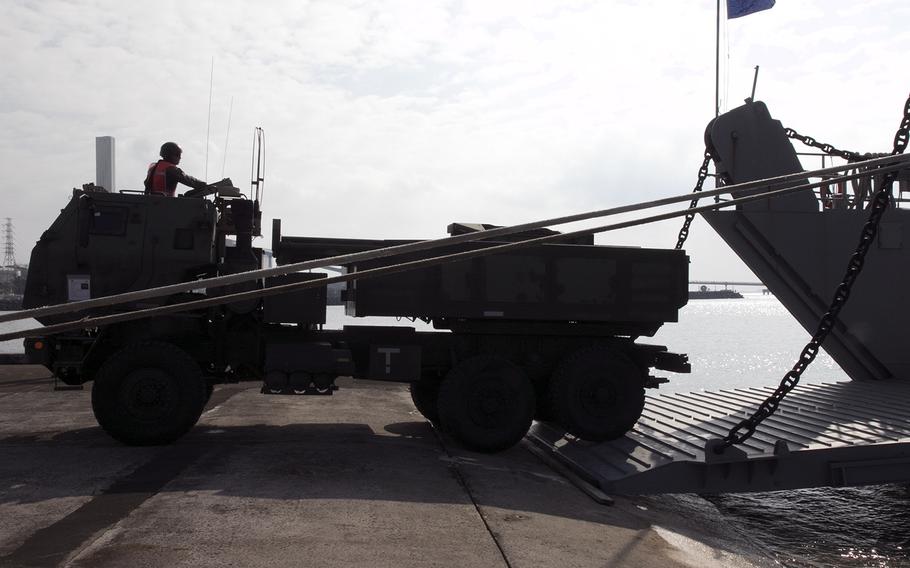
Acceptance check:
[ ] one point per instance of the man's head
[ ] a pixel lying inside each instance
(171, 152)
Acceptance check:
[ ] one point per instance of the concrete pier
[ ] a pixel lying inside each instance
(355, 479)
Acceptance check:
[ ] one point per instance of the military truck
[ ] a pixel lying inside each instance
(548, 332)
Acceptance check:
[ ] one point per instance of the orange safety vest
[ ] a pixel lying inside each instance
(158, 174)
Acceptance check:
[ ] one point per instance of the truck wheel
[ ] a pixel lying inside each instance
(425, 394)
(597, 394)
(148, 393)
(486, 403)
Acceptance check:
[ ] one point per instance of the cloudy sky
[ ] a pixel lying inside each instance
(392, 119)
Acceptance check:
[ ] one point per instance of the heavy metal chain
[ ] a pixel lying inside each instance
(702, 176)
(745, 428)
(826, 148)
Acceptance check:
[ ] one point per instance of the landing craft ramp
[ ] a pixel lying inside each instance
(799, 244)
(834, 434)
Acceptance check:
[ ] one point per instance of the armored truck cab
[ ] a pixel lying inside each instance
(548, 332)
(103, 244)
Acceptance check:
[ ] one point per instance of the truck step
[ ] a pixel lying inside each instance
(310, 391)
(298, 383)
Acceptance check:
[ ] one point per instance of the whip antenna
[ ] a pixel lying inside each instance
(208, 124)
(227, 136)
(257, 168)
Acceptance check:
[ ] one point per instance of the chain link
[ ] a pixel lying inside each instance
(826, 148)
(903, 133)
(702, 176)
(807, 140)
(746, 427)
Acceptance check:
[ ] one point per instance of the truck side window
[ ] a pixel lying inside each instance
(107, 220)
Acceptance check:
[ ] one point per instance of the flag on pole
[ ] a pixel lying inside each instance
(739, 8)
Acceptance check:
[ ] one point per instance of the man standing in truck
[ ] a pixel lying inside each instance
(164, 175)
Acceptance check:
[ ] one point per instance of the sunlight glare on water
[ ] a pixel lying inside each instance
(749, 342)
(849, 526)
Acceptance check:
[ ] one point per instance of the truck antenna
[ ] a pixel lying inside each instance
(227, 136)
(257, 168)
(208, 124)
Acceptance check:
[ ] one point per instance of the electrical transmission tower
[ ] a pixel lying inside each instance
(9, 247)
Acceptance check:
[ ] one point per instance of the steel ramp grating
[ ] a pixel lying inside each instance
(834, 434)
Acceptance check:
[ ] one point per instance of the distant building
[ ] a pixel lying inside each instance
(9, 274)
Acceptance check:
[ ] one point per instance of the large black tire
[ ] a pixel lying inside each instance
(486, 403)
(597, 394)
(148, 393)
(425, 395)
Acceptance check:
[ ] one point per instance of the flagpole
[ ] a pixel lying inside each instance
(717, 65)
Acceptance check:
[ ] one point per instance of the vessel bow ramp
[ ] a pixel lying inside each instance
(834, 434)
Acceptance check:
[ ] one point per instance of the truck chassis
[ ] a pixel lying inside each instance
(548, 334)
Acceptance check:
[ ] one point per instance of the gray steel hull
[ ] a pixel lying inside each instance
(800, 247)
(802, 257)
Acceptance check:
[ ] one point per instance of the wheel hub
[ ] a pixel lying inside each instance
(147, 394)
(597, 397)
(603, 395)
(489, 407)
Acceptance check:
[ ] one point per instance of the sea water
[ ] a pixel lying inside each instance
(736, 343)
(752, 342)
